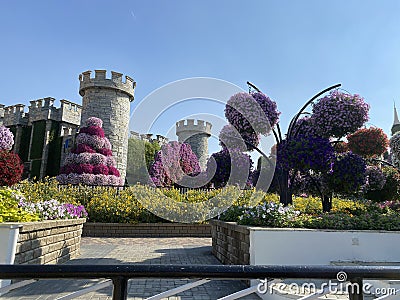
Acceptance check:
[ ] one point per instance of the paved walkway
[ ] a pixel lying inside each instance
(142, 251)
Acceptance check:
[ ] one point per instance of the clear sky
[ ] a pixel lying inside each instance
(289, 49)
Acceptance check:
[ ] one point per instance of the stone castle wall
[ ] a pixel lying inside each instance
(109, 100)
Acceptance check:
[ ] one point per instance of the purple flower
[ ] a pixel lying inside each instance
(339, 114)
(6, 138)
(93, 121)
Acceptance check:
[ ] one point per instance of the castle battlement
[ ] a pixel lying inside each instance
(193, 126)
(100, 80)
(14, 115)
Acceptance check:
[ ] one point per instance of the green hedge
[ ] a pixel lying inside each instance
(24, 143)
(39, 130)
(54, 154)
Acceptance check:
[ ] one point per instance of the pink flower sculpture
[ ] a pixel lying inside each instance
(91, 162)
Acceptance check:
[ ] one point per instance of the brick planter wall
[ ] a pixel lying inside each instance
(230, 242)
(146, 230)
(48, 242)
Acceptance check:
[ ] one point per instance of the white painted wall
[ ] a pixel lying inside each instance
(281, 246)
(8, 242)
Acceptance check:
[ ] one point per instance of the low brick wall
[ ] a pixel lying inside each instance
(146, 230)
(49, 242)
(230, 242)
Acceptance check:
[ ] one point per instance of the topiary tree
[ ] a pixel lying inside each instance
(10, 164)
(173, 163)
(91, 162)
(229, 166)
(140, 157)
(333, 116)
(368, 142)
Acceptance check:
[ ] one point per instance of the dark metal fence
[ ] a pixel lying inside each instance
(120, 274)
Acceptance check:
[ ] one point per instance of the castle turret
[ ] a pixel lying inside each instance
(109, 100)
(396, 122)
(196, 135)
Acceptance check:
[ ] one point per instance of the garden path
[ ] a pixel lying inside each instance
(141, 251)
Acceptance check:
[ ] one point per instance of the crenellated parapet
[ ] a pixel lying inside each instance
(100, 80)
(70, 112)
(15, 115)
(43, 109)
(193, 126)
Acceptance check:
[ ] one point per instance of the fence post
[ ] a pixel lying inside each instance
(120, 288)
(356, 289)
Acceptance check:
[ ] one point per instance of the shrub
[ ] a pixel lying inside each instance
(11, 168)
(391, 188)
(9, 209)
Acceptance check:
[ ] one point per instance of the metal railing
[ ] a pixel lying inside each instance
(120, 274)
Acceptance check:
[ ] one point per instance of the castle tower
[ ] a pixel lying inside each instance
(109, 100)
(396, 122)
(196, 135)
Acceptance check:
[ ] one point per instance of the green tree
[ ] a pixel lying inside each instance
(140, 157)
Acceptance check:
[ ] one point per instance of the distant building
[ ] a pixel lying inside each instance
(161, 140)
(396, 122)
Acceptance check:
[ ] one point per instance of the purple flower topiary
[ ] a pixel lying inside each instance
(172, 163)
(339, 114)
(91, 161)
(6, 138)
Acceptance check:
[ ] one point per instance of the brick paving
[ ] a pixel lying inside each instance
(184, 251)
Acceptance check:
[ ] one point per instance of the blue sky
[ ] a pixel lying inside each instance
(289, 49)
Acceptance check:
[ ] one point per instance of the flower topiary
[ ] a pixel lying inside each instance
(251, 114)
(6, 138)
(229, 166)
(348, 173)
(11, 168)
(305, 153)
(368, 142)
(172, 163)
(91, 161)
(339, 114)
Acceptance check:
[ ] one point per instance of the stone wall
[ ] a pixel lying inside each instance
(49, 242)
(230, 242)
(146, 230)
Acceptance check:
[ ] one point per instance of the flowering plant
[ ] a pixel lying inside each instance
(9, 209)
(348, 173)
(91, 162)
(375, 178)
(368, 142)
(11, 168)
(6, 138)
(229, 166)
(230, 138)
(339, 114)
(305, 153)
(172, 162)
(54, 210)
(269, 214)
(247, 114)
(93, 121)
(395, 148)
